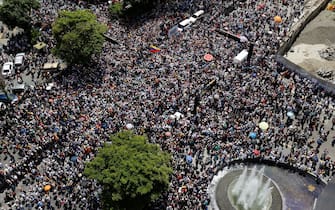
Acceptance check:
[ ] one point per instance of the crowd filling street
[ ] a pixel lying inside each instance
(171, 97)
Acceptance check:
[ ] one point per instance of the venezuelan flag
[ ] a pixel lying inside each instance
(154, 49)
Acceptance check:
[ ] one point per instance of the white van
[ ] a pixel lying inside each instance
(196, 15)
(184, 24)
(18, 61)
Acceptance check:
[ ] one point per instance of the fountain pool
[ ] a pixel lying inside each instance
(244, 189)
(251, 191)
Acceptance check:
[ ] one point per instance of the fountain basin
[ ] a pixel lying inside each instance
(222, 192)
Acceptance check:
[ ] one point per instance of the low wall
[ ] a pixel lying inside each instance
(300, 25)
(284, 165)
(288, 42)
(326, 85)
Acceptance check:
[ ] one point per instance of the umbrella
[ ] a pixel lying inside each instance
(256, 152)
(73, 158)
(263, 125)
(47, 188)
(290, 114)
(252, 135)
(40, 45)
(189, 158)
(178, 115)
(311, 188)
(208, 57)
(277, 19)
(261, 6)
(129, 126)
(172, 116)
(167, 134)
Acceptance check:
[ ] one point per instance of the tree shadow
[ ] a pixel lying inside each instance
(136, 16)
(17, 44)
(76, 77)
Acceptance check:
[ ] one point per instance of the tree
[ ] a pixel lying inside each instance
(3, 86)
(78, 36)
(17, 12)
(131, 171)
(2, 83)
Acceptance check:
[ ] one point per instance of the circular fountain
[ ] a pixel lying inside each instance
(244, 190)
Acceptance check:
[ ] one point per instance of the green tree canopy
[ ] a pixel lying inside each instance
(17, 12)
(78, 36)
(132, 171)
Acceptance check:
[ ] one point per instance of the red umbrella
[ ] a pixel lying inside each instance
(208, 57)
(261, 6)
(256, 152)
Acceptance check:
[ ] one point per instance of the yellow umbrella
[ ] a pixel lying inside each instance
(263, 125)
(47, 187)
(277, 19)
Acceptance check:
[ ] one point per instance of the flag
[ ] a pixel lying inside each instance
(154, 49)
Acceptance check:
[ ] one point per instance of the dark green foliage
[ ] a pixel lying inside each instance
(2, 83)
(78, 35)
(131, 171)
(34, 34)
(116, 9)
(16, 12)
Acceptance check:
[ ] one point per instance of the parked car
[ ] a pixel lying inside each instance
(19, 59)
(19, 88)
(9, 98)
(7, 69)
(196, 15)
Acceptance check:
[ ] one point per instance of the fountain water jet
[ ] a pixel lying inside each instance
(249, 192)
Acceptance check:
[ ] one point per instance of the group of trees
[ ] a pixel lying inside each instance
(131, 171)
(78, 34)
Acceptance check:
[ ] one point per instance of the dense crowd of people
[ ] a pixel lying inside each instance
(48, 137)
